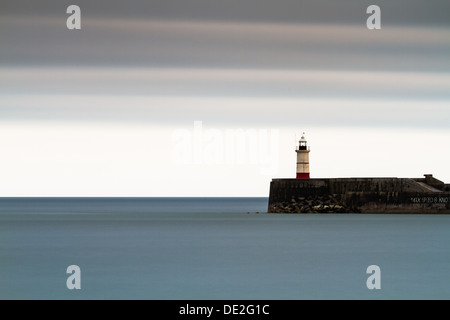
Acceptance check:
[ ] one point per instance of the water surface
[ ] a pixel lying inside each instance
(215, 248)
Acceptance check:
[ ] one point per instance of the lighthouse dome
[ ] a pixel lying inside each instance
(303, 137)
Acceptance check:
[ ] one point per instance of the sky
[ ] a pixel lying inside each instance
(208, 98)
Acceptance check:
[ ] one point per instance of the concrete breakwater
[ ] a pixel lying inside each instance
(359, 195)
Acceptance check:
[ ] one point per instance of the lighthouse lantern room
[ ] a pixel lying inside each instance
(302, 159)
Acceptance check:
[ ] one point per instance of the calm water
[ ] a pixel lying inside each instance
(215, 248)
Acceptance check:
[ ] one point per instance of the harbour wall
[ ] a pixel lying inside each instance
(359, 195)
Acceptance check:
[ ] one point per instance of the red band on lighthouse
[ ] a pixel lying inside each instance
(302, 176)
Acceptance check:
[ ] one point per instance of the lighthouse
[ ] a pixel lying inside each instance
(302, 159)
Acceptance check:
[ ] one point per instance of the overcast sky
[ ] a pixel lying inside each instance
(104, 110)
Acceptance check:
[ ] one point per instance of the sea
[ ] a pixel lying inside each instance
(215, 249)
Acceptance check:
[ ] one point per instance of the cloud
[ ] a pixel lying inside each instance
(399, 12)
(222, 44)
(226, 82)
(243, 111)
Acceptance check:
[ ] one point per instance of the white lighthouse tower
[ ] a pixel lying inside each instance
(302, 159)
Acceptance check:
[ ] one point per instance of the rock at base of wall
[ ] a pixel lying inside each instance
(316, 204)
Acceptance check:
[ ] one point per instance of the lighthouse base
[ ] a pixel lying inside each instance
(302, 176)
